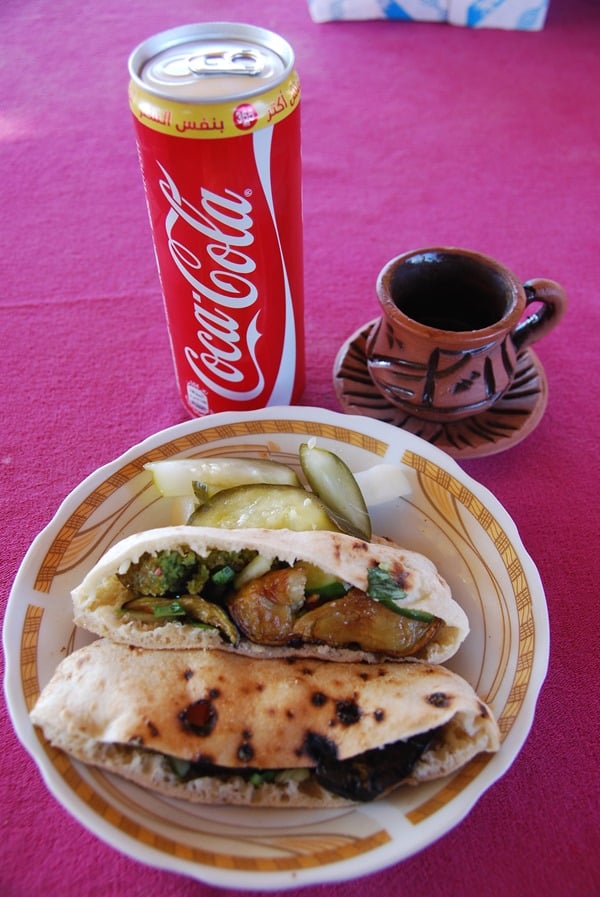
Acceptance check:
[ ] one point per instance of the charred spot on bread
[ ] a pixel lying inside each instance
(152, 728)
(245, 752)
(379, 715)
(401, 576)
(203, 760)
(188, 674)
(347, 712)
(439, 699)
(318, 699)
(200, 717)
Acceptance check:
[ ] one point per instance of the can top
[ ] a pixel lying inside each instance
(211, 62)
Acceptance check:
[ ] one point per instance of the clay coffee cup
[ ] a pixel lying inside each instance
(452, 328)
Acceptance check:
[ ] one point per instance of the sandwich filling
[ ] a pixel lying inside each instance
(266, 592)
(244, 594)
(362, 778)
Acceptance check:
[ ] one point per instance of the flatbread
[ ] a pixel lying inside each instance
(127, 709)
(100, 594)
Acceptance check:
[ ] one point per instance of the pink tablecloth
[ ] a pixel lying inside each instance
(414, 135)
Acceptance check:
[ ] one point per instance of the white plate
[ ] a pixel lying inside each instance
(447, 516)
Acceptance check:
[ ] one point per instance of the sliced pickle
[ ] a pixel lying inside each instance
(181, 476)
(266, 507)
(357, 621)
(210, 614)
(332, 480)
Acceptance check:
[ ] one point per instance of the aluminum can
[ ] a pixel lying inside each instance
(216, 110)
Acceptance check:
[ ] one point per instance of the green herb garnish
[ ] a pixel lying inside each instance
(382, 585)
(223, 576)
(260, 776)
(172, 609)
(384, 588)
(180, 767)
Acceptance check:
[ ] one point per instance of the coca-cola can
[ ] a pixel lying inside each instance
(217, 122)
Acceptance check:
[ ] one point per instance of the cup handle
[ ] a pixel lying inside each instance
(553, 304)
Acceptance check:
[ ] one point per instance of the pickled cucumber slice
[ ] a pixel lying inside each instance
(332, 480)
(181, 476)
(264, 506)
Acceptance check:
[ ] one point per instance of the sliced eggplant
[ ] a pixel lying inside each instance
(211, 615)
(264, 609)
(355, 620)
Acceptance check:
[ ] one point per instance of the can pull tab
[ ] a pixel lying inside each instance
(227, 62)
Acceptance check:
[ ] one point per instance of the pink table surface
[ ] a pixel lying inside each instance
(413, 135)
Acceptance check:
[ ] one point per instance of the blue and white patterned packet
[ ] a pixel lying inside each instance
(523, 15)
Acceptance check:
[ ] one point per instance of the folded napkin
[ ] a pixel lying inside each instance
(525, 15)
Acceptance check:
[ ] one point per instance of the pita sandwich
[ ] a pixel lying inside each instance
(272, 593)
(213, 727)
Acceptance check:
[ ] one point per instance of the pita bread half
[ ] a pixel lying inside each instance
(129, 710)
(99, 597)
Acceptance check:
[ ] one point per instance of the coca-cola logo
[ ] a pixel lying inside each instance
(206, 244)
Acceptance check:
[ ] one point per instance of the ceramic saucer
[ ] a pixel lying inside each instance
(511, 418)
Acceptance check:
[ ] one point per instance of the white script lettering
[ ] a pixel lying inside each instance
(221, 228)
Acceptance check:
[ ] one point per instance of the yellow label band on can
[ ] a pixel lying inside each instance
(201, 121)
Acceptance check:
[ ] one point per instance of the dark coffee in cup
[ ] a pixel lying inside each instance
(447, 291)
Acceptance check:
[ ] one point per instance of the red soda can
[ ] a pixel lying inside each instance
(217, 121)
